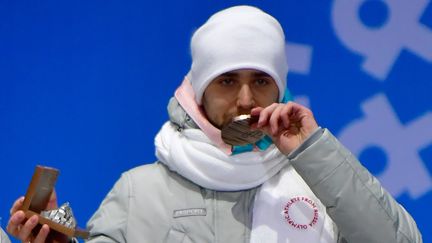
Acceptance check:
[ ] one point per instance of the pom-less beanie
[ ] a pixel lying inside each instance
(241, 37)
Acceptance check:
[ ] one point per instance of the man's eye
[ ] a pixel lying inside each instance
(261, 81)
(227, 81)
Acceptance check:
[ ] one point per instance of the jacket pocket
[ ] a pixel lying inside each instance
(176, 236)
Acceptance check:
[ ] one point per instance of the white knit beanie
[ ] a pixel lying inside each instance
(241, 37)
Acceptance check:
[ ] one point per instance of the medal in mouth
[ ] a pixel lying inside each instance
(239, 132)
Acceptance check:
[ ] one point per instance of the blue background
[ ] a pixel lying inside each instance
(84, 87)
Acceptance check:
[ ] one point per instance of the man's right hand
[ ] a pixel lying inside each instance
(21, 228)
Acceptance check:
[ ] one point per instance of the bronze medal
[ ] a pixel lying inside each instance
(238, 132)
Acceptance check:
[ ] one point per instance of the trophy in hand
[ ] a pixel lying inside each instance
(37, 198)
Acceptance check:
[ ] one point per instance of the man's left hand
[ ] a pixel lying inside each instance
(289, 125)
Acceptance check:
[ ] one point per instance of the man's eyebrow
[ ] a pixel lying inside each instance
(230, 74)
(260, 74)
(254, 74)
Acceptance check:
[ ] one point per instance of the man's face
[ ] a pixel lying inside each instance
(237, 92)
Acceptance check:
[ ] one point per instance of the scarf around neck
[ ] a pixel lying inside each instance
(191, 154)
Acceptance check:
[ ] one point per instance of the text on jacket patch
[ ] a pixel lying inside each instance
(301, 212)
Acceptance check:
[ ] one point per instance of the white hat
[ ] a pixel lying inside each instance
(241, 37)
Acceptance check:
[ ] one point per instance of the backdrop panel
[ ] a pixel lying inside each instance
(84, 87)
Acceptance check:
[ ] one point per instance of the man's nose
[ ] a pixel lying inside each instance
(245, 99)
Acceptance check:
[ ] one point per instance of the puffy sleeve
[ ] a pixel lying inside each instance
(360, 207)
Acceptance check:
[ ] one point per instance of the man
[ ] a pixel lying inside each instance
(302, 186)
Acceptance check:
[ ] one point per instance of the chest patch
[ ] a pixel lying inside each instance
(301, 212)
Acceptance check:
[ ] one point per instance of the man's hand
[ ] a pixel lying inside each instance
(22, 229)
(289, 125)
